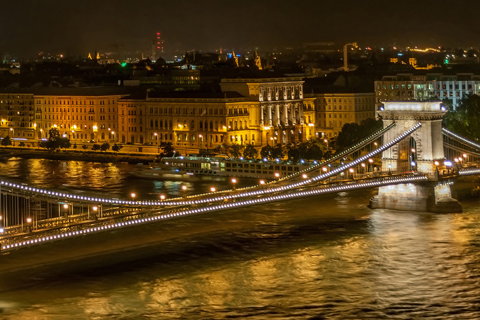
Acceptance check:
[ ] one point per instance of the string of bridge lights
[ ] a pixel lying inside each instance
(370, 138)
(469, 171)
(95, 200)
(348, 151)
(171, 215)
(299, 184)
(473, 144)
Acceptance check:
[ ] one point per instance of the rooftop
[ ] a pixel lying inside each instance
(193, 94)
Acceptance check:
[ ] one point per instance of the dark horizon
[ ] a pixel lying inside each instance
(78, 27)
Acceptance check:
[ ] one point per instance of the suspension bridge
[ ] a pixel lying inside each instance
(420, 160)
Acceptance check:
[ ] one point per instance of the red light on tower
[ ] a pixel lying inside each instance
(159, 42)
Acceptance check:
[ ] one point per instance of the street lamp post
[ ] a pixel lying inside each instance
(13, 135)
(234, 182)
(29, 225)
(184, 191)
(95, 209)
(65, 206)
(262, 183)
(370, 161)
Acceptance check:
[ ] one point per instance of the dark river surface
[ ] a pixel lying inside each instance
(324, 257)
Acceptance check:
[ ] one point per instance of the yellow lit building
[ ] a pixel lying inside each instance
(333, 110)
(189, 120)
(256, 111)
(17, 115)
(80, 118)
(247, 111)
(81, 115)
(277, 110)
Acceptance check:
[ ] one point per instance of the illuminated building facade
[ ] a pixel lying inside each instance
(189, 120)
(256, 111)
(80, 117)
(333, 110)
(405, 87)
(17, 115)
(278, 111)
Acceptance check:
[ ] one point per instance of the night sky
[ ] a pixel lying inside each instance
(79, 26)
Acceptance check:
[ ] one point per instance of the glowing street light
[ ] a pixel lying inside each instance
(304, 176)
(162, 197)
(65, 206)
(213, 189)
(262, 182)
(133, 195)
(29, 224)
(234, 181)
(94, 209)
(13, 135)
(184, 190)
(277, 175)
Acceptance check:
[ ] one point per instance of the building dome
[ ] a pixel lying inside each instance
(160, 61)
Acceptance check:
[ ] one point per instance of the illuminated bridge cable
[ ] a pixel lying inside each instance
(156, 203)
(459, 149)
(460, 138)
(374, 136)
(29, 240)
(467, 172)
(358, 146)
(314, 179)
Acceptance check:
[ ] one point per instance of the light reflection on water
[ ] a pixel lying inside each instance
(111, 179)
(327, 257)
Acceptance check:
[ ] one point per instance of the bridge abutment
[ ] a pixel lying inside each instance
(414, 197)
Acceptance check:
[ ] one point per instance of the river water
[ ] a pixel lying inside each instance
(326, 257)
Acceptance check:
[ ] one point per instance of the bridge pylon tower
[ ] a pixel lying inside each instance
(418, 153)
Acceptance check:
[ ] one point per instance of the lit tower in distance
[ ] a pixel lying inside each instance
(157, 45)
